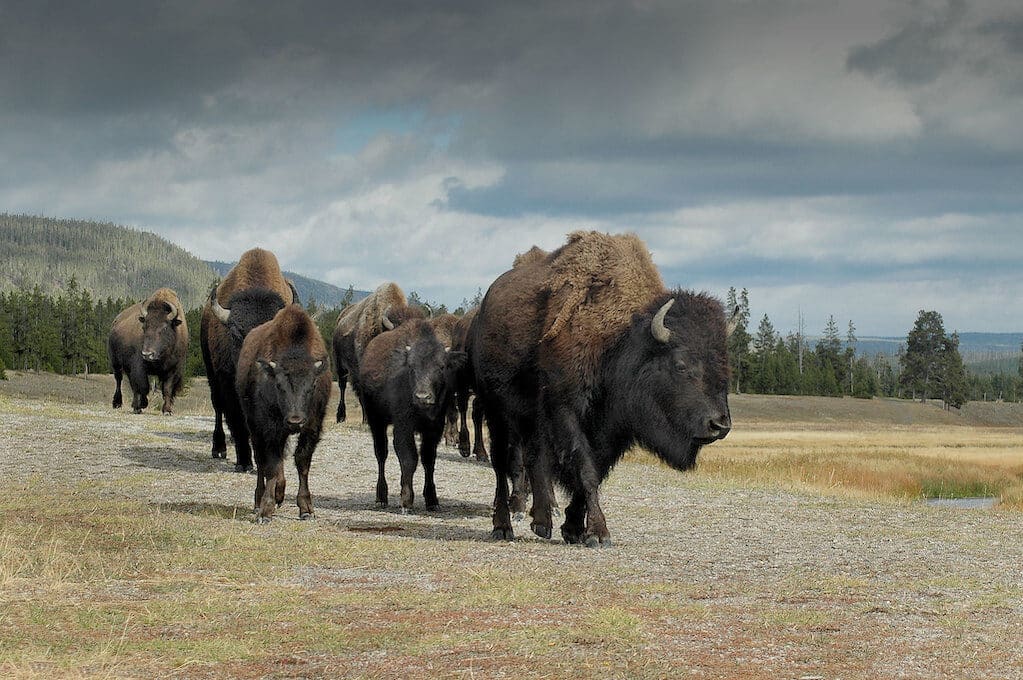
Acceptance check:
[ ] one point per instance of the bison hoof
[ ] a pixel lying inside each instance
(406, 511)
(220, 454)
(168, 413)
(463, 452)
(571, 536)
(116, 403)
(541, 530)
(433, 506)
(482, 457)
(242, 467)
(502, 535)
(595, 542)
(263, 520)
(306, 515)
(136, 411)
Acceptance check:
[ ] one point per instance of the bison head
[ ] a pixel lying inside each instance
(293, 375)
(247, 309)
(670, 383)
(430, 367)
(160, 320)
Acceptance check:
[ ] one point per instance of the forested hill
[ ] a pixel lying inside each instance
(106, 259)
(325, 294)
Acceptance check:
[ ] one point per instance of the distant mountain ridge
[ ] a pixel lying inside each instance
(115, 261)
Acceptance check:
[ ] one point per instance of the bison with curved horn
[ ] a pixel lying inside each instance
(150, 338)
(251, 294)
(582, 353)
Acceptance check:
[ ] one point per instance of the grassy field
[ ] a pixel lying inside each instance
(798, 549)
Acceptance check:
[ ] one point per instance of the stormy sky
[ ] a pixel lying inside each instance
(862, 159)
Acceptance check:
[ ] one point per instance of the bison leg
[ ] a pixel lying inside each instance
(171, 386)
(462, 406)
(240, 432)
(479, 449)
(342, 382)
(139, 381)
(118, 375)
(451, 426)
(379, 431)
(428, 453)
(408, 458)
(519, 483)
(274, 487)
(499, 460)
(543, 496)
(574, 528)
(219, 440)
(303, 460)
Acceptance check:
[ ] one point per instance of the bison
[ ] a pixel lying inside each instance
(283, 383)
(150, 338)
(580, 354)
(381, 310)
(251, 294)
(406, 378)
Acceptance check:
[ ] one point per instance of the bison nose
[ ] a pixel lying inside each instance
(720, 427)
(148, 354)
(295, 421)
(424, 397)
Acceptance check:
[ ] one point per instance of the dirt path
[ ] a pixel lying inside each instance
(778, 584)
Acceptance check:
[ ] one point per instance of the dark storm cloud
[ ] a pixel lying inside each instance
(776, 142)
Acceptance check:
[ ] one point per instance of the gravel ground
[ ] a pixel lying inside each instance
(868, 588)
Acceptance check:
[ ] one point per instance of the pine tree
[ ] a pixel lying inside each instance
(954, 386)
(739, 340)
(923, 361)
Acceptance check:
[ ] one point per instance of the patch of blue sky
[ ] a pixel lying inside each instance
(355, 133)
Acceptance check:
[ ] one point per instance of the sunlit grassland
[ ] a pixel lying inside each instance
(908, 462)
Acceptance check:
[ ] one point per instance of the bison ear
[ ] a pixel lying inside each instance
(142, 319)
(176, 321)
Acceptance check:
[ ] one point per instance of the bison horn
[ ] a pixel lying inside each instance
(657, 327)
(220, 312)
(294, 293)
(145, 310)
(387, 323)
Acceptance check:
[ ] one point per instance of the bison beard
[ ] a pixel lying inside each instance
(571, 367)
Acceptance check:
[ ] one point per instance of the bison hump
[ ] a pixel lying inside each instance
(595, 284)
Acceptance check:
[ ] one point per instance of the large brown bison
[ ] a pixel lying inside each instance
(251, 294)
(406, 377)
(582, 353)
(283, 382)
(149, 338)
(382, 310)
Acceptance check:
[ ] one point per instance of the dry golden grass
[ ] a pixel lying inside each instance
(867, 459)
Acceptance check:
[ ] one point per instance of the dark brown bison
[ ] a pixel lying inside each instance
(582, 353)
(251, 294)
(283, 383)
(150, 338)
(406, 377)
(382, 310)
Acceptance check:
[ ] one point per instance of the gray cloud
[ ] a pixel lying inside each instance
(785, 144)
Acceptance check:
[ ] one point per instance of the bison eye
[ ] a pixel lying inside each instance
(681, 366)
(142, 319)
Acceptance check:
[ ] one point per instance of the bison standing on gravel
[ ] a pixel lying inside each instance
(382, 310)
(251, 294)
(283, 382)
(582, 353)
(150, 338)
(406, 378)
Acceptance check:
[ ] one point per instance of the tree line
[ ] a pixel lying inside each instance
(67, 334)
(928, 366)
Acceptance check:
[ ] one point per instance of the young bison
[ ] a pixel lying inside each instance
(406, 376)
(283, 383)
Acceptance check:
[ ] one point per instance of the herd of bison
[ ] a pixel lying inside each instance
(573, 356)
